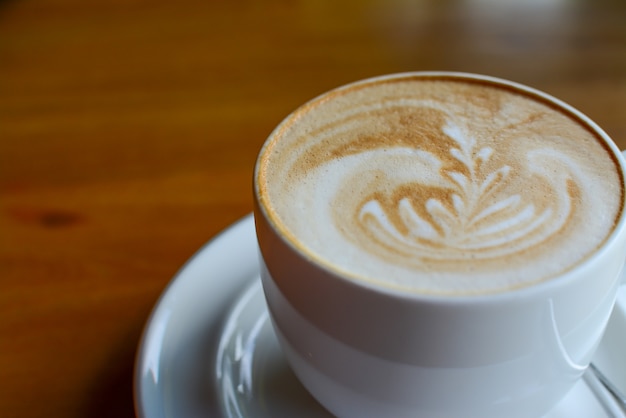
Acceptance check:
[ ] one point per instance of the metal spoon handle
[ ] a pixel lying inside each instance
(611, 398)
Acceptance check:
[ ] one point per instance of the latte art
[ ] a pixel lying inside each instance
(440, 185)
(467, 222)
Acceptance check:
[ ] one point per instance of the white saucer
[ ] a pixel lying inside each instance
(208, 349)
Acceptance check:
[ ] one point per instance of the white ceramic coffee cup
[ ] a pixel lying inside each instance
(367, 351)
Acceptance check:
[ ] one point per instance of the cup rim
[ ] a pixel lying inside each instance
(531, 288)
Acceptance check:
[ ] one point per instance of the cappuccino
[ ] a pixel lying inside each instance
(440, 184)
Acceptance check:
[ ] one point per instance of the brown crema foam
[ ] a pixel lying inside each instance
(443, 184)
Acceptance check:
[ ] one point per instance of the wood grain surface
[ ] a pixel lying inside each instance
(129, 131)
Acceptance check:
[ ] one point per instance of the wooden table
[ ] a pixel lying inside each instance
(129, 130)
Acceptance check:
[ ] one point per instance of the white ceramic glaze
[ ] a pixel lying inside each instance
(209, 350)
(367, 351)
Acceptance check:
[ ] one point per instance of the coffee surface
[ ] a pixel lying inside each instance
(440, 184)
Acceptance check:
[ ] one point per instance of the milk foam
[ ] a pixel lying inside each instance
(440, 185)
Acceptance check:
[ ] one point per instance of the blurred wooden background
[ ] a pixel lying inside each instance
(129, 130)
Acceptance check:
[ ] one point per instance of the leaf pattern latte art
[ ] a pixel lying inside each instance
(478, 219)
